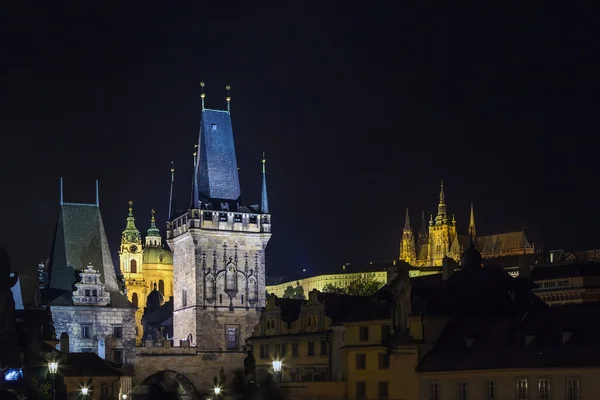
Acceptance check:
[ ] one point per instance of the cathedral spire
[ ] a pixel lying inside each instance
(406, 221)
(472, 231)
(407, 245)
(131, 234)
(424, 230)
(442, 216)
(172, 210)
(264, 203)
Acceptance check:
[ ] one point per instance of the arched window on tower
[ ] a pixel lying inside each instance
(134, 299)
(133, 266)
(161, 287)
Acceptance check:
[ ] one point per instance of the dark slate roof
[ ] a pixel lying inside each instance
(553, 337)
(576, 269)
(80, 240)
(56, 297)
(501, 242)
(217, 165)
(88, 364)
(160, 315)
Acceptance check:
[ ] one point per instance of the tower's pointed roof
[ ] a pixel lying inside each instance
(442, 215)
(130, 228)
(216, 170)
(264, 203)
(153, 230)
(172, 205)
(472, 224)
(407, 221)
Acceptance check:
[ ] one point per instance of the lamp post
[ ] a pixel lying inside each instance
(84, 392)
(277, 368)
(53, 368)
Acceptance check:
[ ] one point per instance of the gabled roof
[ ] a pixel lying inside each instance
(502, 242)
(80, 240)
(553, 337)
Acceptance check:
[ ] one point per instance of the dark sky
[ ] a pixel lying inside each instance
(361, 110)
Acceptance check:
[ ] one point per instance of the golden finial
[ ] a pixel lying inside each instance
(153, 212)
(172, 167)
(228, 98)
(263, 158)
(130, 207)
(202, 95)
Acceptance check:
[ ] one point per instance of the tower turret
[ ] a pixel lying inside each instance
(153, 238)
(442, 232)
(407, 246)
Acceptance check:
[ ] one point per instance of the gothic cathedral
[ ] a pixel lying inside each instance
(144, 267)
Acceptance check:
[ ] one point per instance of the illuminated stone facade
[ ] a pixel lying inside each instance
(144, 266)
(440, 238)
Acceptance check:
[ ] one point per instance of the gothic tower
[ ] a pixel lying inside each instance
(218, 249)
(442, 232)
(130, 259)
(408, 252)
(472, 231)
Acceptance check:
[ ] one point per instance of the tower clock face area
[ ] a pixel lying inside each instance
(133, 248)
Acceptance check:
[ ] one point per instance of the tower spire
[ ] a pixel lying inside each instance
(97, 195)
(195, 197)
(172, 194)
(264, 204)
(472, 231)
(424, 231)
(442, 216)
(228, 98)
(406, 220)
(202, 95)
(130, 228)
(407, 245)
(61, 191)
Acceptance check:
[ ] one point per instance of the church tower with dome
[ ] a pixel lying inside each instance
(144, 267)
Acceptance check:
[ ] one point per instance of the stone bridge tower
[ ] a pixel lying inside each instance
(218, 249)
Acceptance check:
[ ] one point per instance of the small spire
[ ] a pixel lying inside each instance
(228, 98)
(472, 231)
(202, 95)
(442, 195)
(442, 216)
(152, 220)
(172, 194)
(407, 221)
(61, 191)
(264, 204)
(97, 195)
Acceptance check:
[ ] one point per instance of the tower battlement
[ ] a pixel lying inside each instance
(219, 221)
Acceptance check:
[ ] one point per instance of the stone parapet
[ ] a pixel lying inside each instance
(219, 220)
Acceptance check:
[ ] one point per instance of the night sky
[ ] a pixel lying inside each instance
(361, 111)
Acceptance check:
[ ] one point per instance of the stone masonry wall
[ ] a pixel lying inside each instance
(184, 277)
(101, 321)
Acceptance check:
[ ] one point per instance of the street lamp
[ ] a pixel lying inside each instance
(217, 390)
(53, 368)
(84, 391)
(124, 397)
(277, 368)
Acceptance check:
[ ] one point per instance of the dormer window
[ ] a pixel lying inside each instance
(87, 292)
(94, 293)
(214, 127)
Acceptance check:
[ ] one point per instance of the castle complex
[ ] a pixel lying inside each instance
(439, 238)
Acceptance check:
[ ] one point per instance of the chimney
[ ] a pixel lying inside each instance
(64, 343)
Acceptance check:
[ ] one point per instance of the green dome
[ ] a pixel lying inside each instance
(157, 255)
(153, 230)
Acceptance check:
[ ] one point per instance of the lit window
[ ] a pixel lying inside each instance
(573, 389)
(522, 389)
(214, 127)
(232, 339)
(490, 390)
(544, 389)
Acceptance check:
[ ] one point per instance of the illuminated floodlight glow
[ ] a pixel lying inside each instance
(84, 391)
(277, 366)
(13, 374)
(217, 390)
(53, 367)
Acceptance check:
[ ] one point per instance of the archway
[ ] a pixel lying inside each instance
(165, 385)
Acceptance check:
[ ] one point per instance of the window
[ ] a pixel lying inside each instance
(361, 361)
(133, 266)
(85, 331)
(183, 297)
(104, 390)
(363, 333)
(242, 299)
(573, 389)
(361, 390)
(522, 389)
(87, 292)
(323, 347)
(383, 390)
(386, 331)
(95, 293)
(232, 338)
(136, 331)
(544, 389)
(384, 361)
(134, 300)
(283, 351)
(263, 351)
(434, 391)
(118, 356)
(462, 391)
(295, 351)
(214, 127)
(267, 350)
(221, 298)
(311, 348)
(161, 287)
(118, 332)
(490, 390)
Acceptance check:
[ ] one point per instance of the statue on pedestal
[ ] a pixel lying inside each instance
(401, 291)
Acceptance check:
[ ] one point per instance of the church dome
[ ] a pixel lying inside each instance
(157, 255)
(155, 299)
(471, 258)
